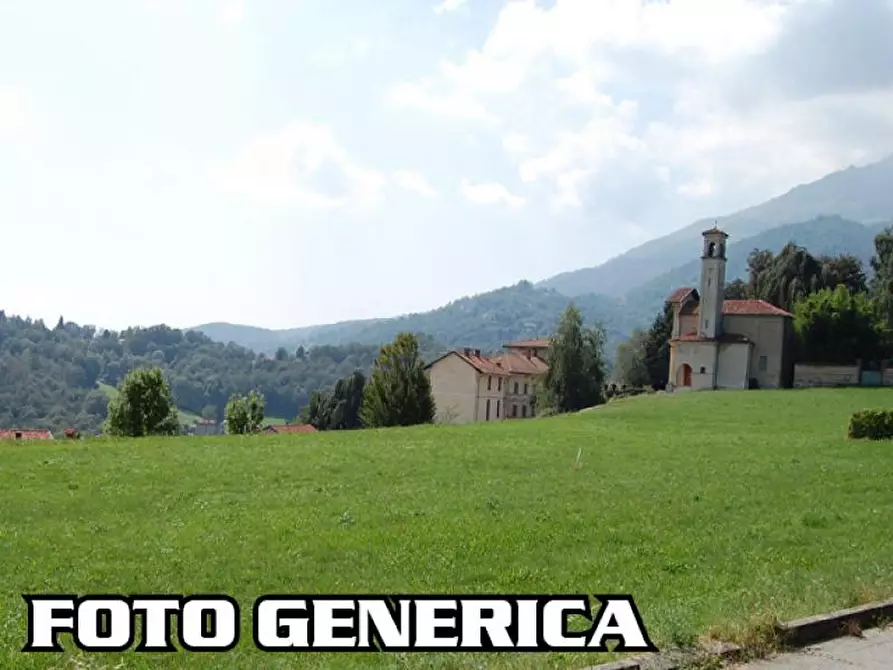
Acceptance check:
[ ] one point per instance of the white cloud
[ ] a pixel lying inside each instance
(449, 6)
(14, 112)
(414, 182)
(335, 56)
(301, 166)
(233, 12)
(490, 194)
(697, 100)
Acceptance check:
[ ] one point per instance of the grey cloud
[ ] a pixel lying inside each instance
(827, 47)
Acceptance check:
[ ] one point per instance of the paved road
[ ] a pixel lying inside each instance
(874, 651)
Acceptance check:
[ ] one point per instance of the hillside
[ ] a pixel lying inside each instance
(485, 321)
(861, 194)
(822, 236)
(63, 377)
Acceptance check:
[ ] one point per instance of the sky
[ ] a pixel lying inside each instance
(283, 163)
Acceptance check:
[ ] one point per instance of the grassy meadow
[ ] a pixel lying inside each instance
(712, 509)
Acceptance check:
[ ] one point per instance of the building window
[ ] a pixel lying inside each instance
(709, 281)
(499, 384)
(497, 409)
(763, 364)
(514, 410)
(533, 389)
(706, 323)
(525, 389)
(524, 410)
(488, 410)
(703, 370)
(516, 388)
(489, 383)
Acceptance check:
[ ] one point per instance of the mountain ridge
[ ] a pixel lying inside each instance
(820, 215)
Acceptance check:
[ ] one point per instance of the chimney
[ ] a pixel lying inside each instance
(477, 352)
(467, 351)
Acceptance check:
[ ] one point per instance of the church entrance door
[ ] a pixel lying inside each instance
(683, 376)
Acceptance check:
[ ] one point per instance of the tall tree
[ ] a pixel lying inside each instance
(657, 347)
(144, 406)
(340, 409)
(629, 362)
(843, 269)
(575, 378)
(882, 278)
(737, 290)
(836, 326)
(399, 391)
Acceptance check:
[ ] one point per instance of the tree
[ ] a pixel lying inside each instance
(844, 269)
(144, 406)
(737, 290)
(282, 354)
(836, 327)
(882, 280)
(630, 367)
(399, 391)
(347, 402)
(575, 378)
(245, 415)
(339, 410)
(657, 347)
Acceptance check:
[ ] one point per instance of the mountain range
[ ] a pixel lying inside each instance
(839, 213)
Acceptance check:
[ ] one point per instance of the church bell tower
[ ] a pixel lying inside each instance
(713, 283)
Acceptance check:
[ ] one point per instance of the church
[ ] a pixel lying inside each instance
(726, 344)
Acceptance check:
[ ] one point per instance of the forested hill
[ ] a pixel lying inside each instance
(486, 321)
(53, 377)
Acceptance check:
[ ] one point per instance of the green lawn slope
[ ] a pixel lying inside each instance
(712, 509)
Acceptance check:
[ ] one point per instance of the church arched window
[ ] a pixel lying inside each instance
(711, 248)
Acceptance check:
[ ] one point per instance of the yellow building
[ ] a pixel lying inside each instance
(726, 344)
(469, 387)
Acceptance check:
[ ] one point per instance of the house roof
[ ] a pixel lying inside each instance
(538, 343)
(26, 434)
(482, 364)
(289, 430)
(519, 364)
(725, 338)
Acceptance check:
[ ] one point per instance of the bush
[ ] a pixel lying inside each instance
(871, 424)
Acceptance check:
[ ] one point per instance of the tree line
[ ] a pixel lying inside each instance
(841, 311)
(397, 392)
(60, 377)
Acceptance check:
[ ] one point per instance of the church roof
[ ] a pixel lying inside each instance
(681, 294)
(730, 307)
(752, 308)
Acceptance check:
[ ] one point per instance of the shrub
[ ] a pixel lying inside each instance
(871, 424)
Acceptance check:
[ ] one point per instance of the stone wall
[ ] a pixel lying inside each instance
(808, 375)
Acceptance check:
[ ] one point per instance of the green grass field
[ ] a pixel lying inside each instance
(712, 509)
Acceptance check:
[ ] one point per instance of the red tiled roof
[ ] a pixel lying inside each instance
(725, 338)
(539, 343)
(25, 434)
(750, 308)
(681, 294)
(519, 364)
(297, 428)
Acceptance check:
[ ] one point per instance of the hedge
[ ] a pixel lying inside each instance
(872, 424)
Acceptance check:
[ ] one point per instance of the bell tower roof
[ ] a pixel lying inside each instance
(715, 232)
